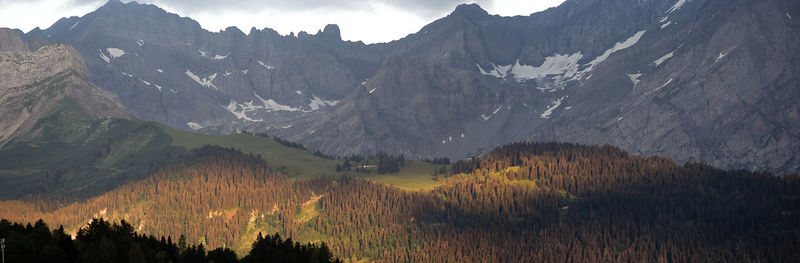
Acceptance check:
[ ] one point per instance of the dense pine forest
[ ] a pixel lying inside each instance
(525, 202)
(100, 241)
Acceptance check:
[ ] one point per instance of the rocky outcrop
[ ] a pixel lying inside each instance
(31, 83)
(10, 40)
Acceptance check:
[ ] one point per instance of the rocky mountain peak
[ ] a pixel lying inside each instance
(470, 11)
(10, 40)
(331, 32)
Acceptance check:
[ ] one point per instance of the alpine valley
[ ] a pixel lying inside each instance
(468, 141)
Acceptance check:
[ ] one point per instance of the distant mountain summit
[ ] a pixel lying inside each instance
(695, 80)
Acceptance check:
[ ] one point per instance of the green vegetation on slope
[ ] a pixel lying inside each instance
(413, 176)
(301, 163)
(291, 161)
(68, 154)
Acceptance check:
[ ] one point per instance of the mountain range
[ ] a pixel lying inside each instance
(695, 80)
(215, 138)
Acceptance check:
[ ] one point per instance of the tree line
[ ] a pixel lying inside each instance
(526, 202)
(101, 241)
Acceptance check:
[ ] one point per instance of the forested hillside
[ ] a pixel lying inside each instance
(100, 241)
(519, 203)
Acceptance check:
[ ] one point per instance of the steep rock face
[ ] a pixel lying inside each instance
(701, 80)
(31, 83)
(718, 84)
(167, 68)
(470, 81)
(695, 80)
(10, 40)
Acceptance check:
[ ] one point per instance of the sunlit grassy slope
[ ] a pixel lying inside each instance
(293, 162)
(300, 163)
(413, 176)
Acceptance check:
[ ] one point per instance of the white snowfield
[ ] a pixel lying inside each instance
(317, 103)
(73, 26)
(104, 57)
(219, 57)
(266, 66)
(486, 118)
(560, 67)
(240, 110)
(553, 106)
(664, 58)
(635, 78)
(205, 82)
(272, 105)
(194, 126)
(115, 52)
(665, 84)
(720, 57)
(677, 6)
(112, 54)
(563, 65)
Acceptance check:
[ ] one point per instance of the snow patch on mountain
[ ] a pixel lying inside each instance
(240, 110)
(486, 118)
(553, 106)
(317, 103)
(104, 57)
(272, 105)
(266, 66)
(194, 126)
(218, 57)
(560, 67)
(73, 26)
(158, 87)
(617, 47)
(564, 66)
(205, 82)
(677, 6)
(140, 42)
(666, 24)
(720, 57)
(496, 71)
(635, 78)
(115, 52)
(664, 58)
(665, 84)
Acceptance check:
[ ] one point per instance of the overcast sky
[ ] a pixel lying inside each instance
(366, 20)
